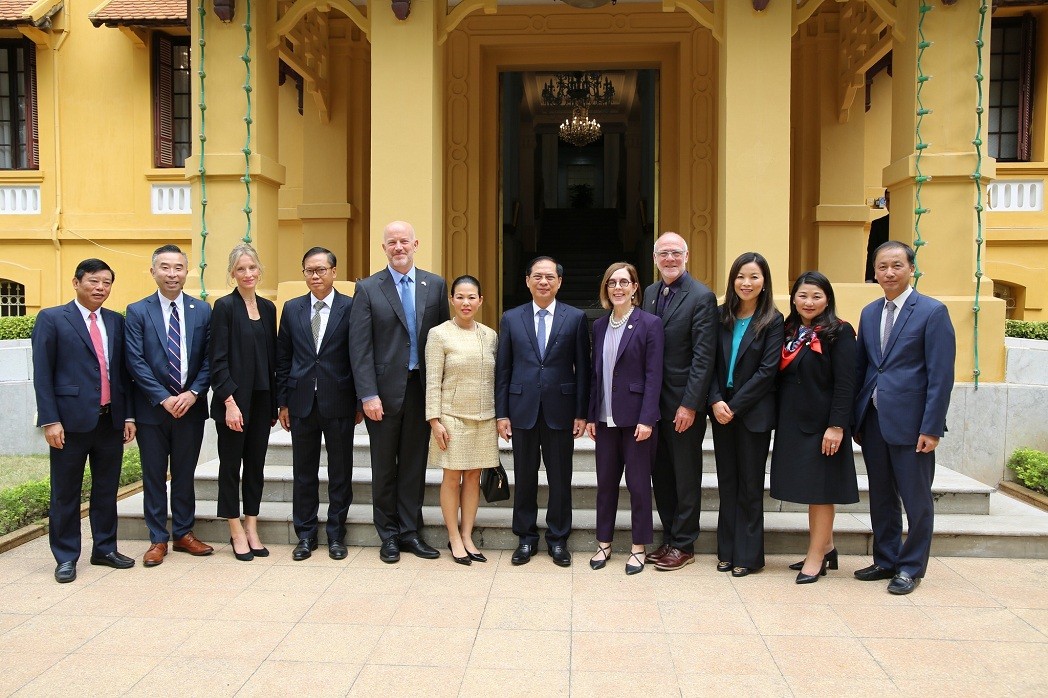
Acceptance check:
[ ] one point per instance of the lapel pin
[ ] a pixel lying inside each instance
(629, 327)
(423, 283)
(191, 306)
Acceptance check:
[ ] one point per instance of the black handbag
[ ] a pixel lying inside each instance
(494, 484)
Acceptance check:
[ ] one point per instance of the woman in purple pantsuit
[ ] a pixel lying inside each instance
(624, 409)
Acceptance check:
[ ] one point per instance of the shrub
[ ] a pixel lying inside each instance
(17, 327)
(1031, 468)
(1026, 330)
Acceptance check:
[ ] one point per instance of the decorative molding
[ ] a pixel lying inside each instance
(461, 11)
(803, 13)
(711, 19)
(295, 11)
(303, 45)
(1015, 195)
(887, 11)
(170, 198)
(139, 38)
(19, 200)
(864, 39)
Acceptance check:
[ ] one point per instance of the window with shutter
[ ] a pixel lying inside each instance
(172, 120)
(1011, 88)
(19, 134)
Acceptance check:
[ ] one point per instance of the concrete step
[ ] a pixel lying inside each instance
(954, 493)
(1010, 529)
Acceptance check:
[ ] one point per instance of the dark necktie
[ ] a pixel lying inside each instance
(174, 352)
(664, 300)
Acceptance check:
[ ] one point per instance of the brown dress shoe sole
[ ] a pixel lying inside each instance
(667, 568)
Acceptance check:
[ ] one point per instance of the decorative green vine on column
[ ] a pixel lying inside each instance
(922, 111)
(246, 179)
(977, 179)
(203, 139)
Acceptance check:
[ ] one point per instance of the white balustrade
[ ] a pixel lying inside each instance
(170, 198)
(1015, 195)
(19, 200)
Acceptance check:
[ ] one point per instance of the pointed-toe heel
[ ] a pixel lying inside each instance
(243, 557)
(464, 560)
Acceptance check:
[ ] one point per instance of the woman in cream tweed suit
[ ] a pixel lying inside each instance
(460, 407)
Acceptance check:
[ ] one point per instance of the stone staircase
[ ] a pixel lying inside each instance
(972, 519)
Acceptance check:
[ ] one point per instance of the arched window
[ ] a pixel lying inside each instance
(12, 298)
(1012, 297)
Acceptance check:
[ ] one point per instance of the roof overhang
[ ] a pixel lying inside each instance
(33, 13)
(140, 13)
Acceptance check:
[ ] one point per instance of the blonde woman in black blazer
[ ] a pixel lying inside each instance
(742, 405)
(244, 402)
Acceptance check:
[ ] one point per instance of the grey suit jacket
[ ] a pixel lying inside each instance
(690, 324)
(378, 340)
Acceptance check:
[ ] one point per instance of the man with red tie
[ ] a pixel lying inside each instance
(83, 405)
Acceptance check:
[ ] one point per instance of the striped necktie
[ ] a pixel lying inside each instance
(174, 352)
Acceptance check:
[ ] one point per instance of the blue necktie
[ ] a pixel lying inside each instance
(407, 299)
(174, 352)
(542, 333)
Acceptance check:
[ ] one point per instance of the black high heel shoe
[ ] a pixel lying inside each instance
(243, 557)
(476, 557)
(811, 578)
(598, 563)
(830, 559)
(464, 560)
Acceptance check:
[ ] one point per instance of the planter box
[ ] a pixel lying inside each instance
(1024, 494)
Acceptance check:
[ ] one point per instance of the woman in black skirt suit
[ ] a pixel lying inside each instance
(813, 462)
(742, 404)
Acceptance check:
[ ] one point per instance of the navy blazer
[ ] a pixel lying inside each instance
(558, 382)
(304, 373)
(827, 384)
(637, 378)
(914, 376)
(65, 370)
(146, 337)
(756, 368)
(233, 360)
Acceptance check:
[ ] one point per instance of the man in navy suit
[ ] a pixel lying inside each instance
(316, 397)
(905, 365)
(542, 375)
(81, 387)
(167, 348)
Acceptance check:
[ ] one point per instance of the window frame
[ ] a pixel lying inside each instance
(163, 72)
(1027, 26)
(31, 147)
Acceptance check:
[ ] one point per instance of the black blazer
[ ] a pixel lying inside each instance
(304, 373)
(756, 368)
(826, 383)
(233, 354)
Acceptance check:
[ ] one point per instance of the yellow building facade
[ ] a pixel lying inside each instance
(768, 125)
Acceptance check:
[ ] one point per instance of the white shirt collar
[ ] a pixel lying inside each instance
(165, 302)
(397, 276)
(535, 308)
(900, 301)
(87, 313)
(326, 300)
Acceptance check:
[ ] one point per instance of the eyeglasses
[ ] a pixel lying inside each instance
(319, 271)
(670, 254)
(619, 283)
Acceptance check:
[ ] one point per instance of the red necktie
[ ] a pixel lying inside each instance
(100, 352)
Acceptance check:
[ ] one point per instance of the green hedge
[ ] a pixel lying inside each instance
(1025, 330)
(1031, 468)
(23, 504)
(17, 327)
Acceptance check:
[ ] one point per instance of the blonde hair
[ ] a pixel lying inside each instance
(605, 300)
(241, 250)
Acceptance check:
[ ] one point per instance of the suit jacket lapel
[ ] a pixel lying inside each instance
(675, 301)
(156, 315)
(304, 318)
(903, 314)
(421, 295)
(189, 312)
(528, 320)
(335, 316)
(555, 326)
(392, 294)
(627, 334)
(747, 340)
(111, 331)
(77, 321)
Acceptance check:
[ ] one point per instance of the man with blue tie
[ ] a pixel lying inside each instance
(84, 407)
(167, 348)
(905, 366)
(542, 374)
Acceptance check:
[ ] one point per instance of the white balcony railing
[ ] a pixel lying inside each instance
(19, 200)
(170, 197)
(1016, 195)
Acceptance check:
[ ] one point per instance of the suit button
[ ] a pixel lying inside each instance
(614, 389)
(880, 370)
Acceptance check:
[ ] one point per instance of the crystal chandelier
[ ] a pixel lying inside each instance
(580, 129)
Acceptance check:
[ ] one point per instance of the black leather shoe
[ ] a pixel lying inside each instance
(65, 572)
(902, 583)
(476, 557)
(829, 558)
(337, 550)
(522, 555)
(561, 556)
(390, 551)
(114, 560)
(419, 548)
(304, 549)
(464, 560)
(873, 573)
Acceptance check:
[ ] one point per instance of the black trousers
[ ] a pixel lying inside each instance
(676, 481)
(247, 447)
(554, 448)
(104, 449)
(399, 452)
(305, 461)
(174, 444)
(741, 457)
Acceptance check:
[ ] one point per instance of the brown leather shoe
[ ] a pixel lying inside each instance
(155, 555)
(674, 560)
(656, 554)
(192, 545)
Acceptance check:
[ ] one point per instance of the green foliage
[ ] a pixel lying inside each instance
(23, 504)
(17, 327)
(1025, 330)
(1031, 468)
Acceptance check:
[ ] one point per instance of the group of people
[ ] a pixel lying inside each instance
(433, 385)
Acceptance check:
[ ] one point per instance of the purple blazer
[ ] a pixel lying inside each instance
(637, 378)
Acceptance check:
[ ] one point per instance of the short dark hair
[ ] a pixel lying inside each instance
(827, 321)
(91, 266)
(165, 249)
(911, 256)
(320, 250)
(544, 258)
(466, 279)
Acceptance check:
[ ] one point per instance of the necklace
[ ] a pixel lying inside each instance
(616, 324)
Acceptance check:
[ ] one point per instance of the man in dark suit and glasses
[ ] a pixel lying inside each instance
(316, 397)
(542, 374)
(167, 336)
(904, 364)
(689, 317)
(393, 311)
(83, 406)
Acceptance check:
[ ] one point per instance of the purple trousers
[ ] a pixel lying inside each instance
(617, 449)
